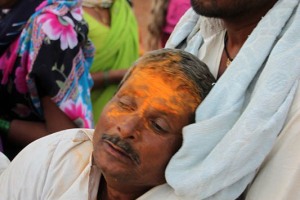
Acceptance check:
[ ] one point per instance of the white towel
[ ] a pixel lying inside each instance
(4, 162)
(238, 122)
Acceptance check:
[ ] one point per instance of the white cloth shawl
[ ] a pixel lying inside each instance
(4, 162)
(238, 122)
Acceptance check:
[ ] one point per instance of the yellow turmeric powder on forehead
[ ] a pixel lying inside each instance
(170, 69)
(145, 91)
(192, 75)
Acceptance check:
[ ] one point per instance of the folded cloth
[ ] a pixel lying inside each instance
(239, 121)
(4, 162)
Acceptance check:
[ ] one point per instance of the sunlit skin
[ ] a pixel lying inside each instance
(150, 118)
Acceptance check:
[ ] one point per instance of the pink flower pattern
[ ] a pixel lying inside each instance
(77, 13)
(20, 80)
(59, 27)
(8, 61)
(77, 112)
(28, 71)
(21, 73)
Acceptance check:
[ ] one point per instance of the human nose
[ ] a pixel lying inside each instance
(129, 127)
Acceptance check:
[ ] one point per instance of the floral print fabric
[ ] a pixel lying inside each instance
(52, 58)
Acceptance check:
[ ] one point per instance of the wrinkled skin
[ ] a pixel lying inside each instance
(139, 130)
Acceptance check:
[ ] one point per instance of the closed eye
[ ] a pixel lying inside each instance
(159, 126)
(126, 103)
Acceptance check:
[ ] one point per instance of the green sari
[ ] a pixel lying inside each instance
(117, 47)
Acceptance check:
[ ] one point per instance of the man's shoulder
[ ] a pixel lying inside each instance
(51, 160)
(70, 139)
(60, 143)
(75, 134)
(62, 147)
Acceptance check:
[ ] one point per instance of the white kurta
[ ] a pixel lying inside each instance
(57, 166)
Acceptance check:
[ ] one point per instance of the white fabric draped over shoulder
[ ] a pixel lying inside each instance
(4, 162)
(239, 121)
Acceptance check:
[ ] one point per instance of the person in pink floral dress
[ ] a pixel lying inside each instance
(45, 58)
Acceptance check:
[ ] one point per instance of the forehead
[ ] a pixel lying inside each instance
(159, 89)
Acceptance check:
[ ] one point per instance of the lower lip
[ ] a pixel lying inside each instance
(116, 154)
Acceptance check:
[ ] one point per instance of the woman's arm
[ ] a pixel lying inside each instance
(24, 132)
(102, 79)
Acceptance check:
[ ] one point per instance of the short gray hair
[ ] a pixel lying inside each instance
(178, 61)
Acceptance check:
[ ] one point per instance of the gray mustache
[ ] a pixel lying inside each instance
(124, 145)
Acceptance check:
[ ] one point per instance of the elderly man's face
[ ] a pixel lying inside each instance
(140, 129)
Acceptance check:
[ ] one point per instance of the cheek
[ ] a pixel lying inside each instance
(104, 123)
(155, 158)
(159, 149)
(108, 116)
(173, 145)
